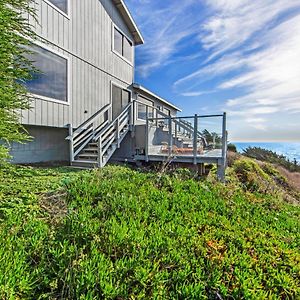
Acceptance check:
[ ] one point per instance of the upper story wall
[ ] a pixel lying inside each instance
(85, 38)
(85, 32)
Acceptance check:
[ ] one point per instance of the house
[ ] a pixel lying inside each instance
(86, 107)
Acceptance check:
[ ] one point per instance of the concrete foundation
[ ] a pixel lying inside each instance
(48, 146)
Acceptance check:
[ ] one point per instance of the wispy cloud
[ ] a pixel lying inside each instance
(244, 52)
(165, 26)
(273, 74)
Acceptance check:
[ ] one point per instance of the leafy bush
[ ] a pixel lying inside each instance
(132, 235)
(232, 148)
(272, 157)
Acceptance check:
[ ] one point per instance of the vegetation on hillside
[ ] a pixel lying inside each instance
(14, 67)
(271, 157)
(118, 233)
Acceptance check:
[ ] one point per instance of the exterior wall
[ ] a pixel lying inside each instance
(139, 95)
(48, 145)
(85, 37)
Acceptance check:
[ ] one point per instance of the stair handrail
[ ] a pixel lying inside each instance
(111, 133)
(89, 120)
(190, 126)
(112, 123)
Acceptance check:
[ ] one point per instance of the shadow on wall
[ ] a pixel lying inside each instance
(49, 145)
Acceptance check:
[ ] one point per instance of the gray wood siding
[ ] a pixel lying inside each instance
(86, 39)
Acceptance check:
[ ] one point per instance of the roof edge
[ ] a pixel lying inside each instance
(124, 11)
(143, 89)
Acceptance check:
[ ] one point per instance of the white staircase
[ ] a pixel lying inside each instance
(94, 142)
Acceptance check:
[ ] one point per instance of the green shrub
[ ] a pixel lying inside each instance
(232, 147)
(132, 235)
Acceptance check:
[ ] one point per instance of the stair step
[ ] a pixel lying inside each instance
(90, 150)
(90, 155)
(84, 164)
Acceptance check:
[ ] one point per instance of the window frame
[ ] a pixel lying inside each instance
(124, 35)
(67, 15)
(49, 99)
(147, 99)
(113, 83)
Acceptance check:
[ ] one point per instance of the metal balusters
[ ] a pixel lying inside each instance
(195, 139)
(170, 136)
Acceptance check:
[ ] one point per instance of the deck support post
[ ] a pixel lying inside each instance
(147, 140)
(71, 143)
(195, 138)
(221, 170)
(118, 132)
(133, 118)
(100, 160)
(170, 136)
(223, 162)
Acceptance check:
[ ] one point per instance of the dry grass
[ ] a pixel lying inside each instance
(55, 205)
(292, 177)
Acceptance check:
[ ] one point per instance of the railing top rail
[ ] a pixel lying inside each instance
(188, 117)
(91, 119)
(125, 110)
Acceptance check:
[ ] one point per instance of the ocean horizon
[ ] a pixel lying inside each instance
(290, 150)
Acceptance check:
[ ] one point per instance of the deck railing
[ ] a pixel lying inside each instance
(191, 136)
(86, 132)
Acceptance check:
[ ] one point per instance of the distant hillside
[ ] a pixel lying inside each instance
(272, 157)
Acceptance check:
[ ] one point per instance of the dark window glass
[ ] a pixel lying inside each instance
(142, 109)
(61, 4)
(122, 45)
(127, 50)
(125, 98)
(52, 79)
(167, 111)
(118, 41)
(120, 99)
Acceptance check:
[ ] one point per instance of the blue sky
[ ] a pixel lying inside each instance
(238, 56)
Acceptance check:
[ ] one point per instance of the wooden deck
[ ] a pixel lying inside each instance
(209, 156)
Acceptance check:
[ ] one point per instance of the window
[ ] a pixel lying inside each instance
(142, 109)
(167, 111)
(120, 99)
(122, 45)
(127, 49)
(52, 79)
(118, 41)
(60, 4)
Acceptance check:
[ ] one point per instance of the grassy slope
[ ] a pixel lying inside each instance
(124, 234)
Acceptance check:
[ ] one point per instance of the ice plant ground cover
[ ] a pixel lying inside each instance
(119, 233)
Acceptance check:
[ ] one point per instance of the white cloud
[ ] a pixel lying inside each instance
(234, 22)
(195, 93)
(246, 48)
(164, 29)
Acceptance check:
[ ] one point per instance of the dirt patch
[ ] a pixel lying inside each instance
(232, 157)
(292, 177)
(55, 205)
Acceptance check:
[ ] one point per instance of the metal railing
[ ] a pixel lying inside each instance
(112, 135)
(196, 142)
(85, 133)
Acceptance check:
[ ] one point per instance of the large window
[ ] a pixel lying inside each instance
(122, 45)
(52, 79)
(61, 4)
(142, 108)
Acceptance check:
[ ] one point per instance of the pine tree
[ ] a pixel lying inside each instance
(15, 33)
